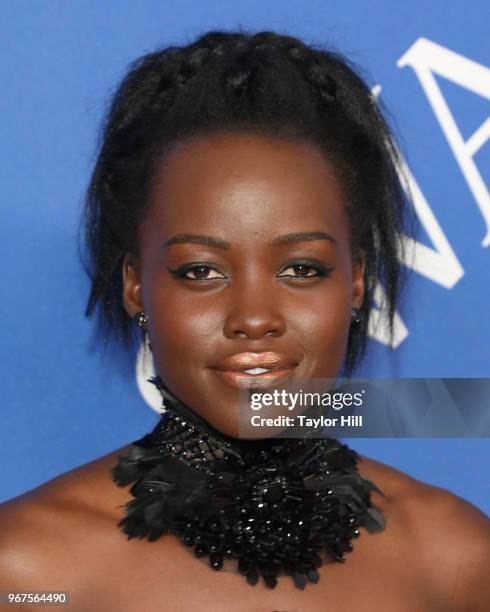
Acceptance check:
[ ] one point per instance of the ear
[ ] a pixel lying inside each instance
(358, 268)
(131, 283)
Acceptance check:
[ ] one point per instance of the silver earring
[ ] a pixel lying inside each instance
(141, 320)
(356, 315)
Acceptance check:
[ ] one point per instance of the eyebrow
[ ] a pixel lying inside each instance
(219, 243)
(303, 237)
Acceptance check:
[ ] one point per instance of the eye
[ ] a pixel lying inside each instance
(306, 270)
(196, 272)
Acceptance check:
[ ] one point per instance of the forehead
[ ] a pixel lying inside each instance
(246, 184)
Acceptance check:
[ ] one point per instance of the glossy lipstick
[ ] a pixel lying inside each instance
(233, 369)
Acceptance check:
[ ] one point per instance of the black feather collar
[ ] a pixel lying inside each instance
(275, 505)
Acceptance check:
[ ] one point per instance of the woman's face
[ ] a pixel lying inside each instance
(245, 251)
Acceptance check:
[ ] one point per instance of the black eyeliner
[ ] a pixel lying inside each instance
(182, 270)
(320, 268)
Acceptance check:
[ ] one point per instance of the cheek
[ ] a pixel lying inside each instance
(322, 328)
(182, 329)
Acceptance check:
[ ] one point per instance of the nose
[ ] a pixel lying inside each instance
(253, 312)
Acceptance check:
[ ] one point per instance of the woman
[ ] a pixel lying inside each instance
(244, 202)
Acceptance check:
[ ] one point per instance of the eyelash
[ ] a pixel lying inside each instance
(321, 271)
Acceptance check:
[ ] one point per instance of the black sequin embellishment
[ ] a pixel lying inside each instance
(275, 505)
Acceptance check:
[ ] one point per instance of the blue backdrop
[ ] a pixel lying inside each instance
(64, 405)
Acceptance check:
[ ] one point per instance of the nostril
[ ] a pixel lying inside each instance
(242, 334)
(243, 325)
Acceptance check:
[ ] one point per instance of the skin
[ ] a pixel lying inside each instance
(251, 298)
(434, 552)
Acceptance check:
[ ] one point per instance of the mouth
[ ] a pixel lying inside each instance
(255, 369)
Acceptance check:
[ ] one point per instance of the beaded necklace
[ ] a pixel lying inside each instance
(274, 505)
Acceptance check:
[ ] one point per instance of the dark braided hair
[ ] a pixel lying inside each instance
(265, 83)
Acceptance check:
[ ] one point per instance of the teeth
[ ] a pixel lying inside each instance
(256, 371)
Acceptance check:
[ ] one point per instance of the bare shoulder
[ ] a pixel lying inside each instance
(49, 533)
(450, 536)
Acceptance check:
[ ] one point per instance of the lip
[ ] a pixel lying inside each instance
(236, 378)
(263, 359)
(230, 369)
